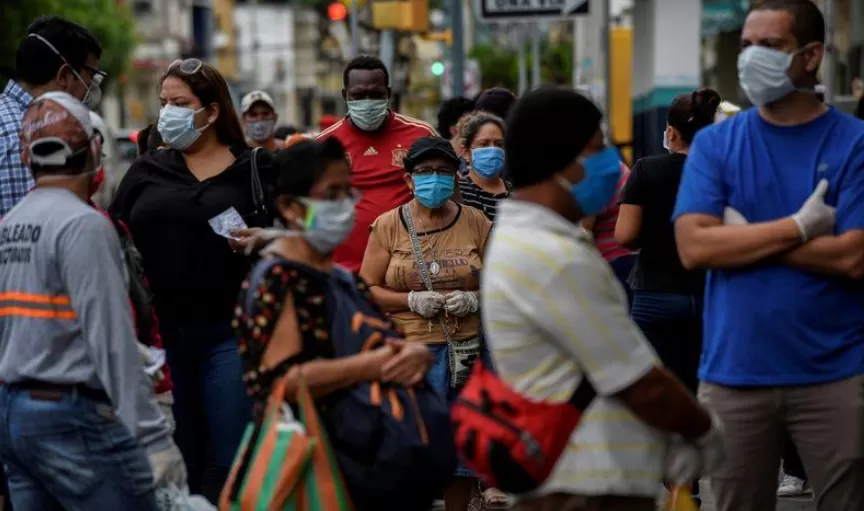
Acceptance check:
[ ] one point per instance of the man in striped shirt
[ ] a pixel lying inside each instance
(554, 314)
(376, 140)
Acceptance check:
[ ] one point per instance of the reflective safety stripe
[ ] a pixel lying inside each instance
(31, 305)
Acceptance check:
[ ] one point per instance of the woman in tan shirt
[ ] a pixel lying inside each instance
(423, 264)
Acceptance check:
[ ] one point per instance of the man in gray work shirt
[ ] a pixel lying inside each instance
(71, 400)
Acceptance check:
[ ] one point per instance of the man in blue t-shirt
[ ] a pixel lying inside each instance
(784, 303)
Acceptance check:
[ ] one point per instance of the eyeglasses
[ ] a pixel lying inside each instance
(435, 170)
(98, 75)
(186, 66)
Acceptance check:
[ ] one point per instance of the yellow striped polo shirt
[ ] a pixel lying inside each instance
(553, 312)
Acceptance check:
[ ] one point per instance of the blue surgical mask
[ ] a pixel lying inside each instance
(763, 74)
(598, 186)
(176, 126)
(368, 114)
(434, 190)
(487, 161)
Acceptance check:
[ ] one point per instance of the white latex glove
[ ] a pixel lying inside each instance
(815, 218)
(731, 216)
(168, 467)
(683, 462)
(711, 446)
(425, 303)
(461, 303)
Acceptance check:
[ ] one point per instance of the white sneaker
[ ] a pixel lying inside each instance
(793, 487)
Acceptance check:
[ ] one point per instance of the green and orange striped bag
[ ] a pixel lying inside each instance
(284, 464)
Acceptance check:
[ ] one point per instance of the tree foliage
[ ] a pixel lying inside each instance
(499, 66)
(113, 24)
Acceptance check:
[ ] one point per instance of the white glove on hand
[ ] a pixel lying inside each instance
(683, 462)
(425, 303)
(711, 446)
(815, 218)
(461, 303)
(168, 467)
(731, 216)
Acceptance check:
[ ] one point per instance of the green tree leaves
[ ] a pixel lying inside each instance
(113, 24)
(499, 67)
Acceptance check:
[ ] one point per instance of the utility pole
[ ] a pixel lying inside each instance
(355, 28)
(607, 66)
(535, 56)
(256, 43)
(388, 50)
(523, 64)
(830, 69)
(457, 49)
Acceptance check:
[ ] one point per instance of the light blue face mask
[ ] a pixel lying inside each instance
(487, 161)
(368, 114)
(598, 186)
(434, 190)
(763, 74)
(176, 126)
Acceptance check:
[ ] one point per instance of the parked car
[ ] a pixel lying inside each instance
(127, 144)
(112, 159)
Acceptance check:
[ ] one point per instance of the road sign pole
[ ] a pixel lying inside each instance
(607, 71)
(535, 56)
(523, 65)
(388, 50)
(457, 48)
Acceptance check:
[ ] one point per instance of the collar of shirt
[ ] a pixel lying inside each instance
(17, 93)
(518, 213)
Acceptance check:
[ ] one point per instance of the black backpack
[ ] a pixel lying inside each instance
(139, 291)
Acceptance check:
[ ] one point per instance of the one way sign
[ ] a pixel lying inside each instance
(509, 11)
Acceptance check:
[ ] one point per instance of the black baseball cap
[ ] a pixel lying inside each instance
(426, 148)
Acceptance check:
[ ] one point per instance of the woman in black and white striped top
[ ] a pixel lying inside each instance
(482, 138)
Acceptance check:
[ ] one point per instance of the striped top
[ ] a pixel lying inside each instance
(553, 313)
(476, 197)
(604, 227)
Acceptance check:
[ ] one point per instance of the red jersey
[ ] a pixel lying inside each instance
(604, 226)
(377, 172)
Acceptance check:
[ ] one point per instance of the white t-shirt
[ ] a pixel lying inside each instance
(553, 311)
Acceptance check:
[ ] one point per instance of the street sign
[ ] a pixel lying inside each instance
(472, 79)
(512, 11)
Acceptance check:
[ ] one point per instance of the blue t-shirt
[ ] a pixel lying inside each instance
(770, 324)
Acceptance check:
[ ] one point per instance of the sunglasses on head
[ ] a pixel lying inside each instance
(186, 66)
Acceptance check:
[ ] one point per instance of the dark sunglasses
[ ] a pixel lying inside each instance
(186, 66)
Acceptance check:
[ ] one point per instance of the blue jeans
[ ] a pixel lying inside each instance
(211, 407)
(672, 323)
(65, 451)
(622, 268)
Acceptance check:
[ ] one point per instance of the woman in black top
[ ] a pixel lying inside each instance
(167, 198)
(667, 299)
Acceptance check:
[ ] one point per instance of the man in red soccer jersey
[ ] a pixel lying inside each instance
(375, 139)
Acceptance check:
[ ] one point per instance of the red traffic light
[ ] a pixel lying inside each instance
(336, 11)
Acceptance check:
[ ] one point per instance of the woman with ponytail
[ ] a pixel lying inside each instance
(667, 299)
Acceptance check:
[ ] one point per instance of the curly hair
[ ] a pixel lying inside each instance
(470, 124)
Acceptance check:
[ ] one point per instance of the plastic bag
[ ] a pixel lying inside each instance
(227, 221)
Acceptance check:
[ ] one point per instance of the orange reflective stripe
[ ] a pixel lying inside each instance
(37, 313)
(34, 298)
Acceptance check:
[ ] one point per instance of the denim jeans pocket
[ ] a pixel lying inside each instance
(64, 461)
(123, 460)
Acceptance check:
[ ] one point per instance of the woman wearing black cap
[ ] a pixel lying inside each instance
(423, 264)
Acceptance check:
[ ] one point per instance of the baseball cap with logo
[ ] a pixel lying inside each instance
(56, 134)
(253, 97)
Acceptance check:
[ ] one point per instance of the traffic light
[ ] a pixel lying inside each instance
(437, 68)
(337, 11)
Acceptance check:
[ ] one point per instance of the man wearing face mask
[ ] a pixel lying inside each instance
(260, 118)
(376, 139)
(783, 352)
(554, 314)
(70, 365)
(56, 55)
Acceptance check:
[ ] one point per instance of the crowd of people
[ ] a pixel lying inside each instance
(704, 304)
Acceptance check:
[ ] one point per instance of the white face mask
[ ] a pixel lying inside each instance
(763, 74)
(666, 140)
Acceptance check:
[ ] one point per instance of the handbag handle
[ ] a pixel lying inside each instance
(257, 188)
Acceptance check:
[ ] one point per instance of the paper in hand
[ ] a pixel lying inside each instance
(227, 221)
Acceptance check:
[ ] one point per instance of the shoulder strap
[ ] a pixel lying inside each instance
(258, 272)
(583, 395)
(419, 261)
(257, 189)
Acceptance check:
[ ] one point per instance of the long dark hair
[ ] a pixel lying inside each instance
(689, 113)
(210, 87)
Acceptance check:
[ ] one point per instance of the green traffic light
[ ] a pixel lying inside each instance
(437, 69)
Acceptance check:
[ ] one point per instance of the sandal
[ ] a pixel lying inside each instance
(493, 498)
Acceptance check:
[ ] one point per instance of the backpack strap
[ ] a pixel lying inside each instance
(583, 395)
